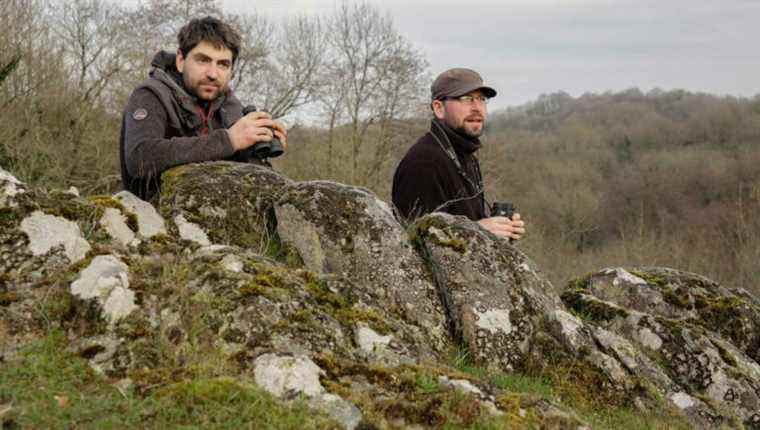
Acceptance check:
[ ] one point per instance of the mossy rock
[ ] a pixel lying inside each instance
(679, 295)
(346, 231)
(231, 202)
(493, 295)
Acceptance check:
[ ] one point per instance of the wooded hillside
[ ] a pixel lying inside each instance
(668, 177)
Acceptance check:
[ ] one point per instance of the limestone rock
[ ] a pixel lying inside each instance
(190, 231)
(349, 232)
(369, 340)
(231, 202)
(494, 298)
(106, 280)
(345, 413)
(288, 376)
(149, 222)
(330, 297)
(683, 296)
(674, 353)
(47, 231)
(9, 187)
(115, 224)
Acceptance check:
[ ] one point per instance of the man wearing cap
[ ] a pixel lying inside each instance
(441, 173)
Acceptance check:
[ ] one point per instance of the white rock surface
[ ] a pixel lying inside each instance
(47, 231)
(682, 400)
(494, 320)
(288, 376)
(232, 263)
(348, 415)
(106, 280)
(649, 339)
(568, 327)
(149, 222)
(115, 224)
(9, 187)
(190, 231)
(622, 275)
(460, 384)
(369, 340)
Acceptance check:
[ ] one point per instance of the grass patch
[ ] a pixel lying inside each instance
(50, 388)
(629, 419)
(517, 383)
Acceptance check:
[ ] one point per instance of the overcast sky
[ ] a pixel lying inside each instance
(524, 48)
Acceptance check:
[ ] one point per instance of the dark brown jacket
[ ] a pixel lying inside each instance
(164, 126)
(428, 180)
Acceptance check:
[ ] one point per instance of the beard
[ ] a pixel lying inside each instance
(472, 130)
(201, 89)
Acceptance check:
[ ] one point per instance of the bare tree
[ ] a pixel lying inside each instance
(92, 34)
(279, 66)
(374, 78)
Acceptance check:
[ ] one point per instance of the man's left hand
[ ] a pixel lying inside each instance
(504, 227)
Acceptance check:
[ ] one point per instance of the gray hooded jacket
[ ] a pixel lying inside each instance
(164, 126)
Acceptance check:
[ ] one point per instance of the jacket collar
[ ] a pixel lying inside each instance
(462, 144)
(164, 70)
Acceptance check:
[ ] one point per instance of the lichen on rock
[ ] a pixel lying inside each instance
(230, 202)
(347, 231)
(315, 290)
(493, 299)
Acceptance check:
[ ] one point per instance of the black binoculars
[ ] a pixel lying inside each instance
(263, 150)
(505, 209)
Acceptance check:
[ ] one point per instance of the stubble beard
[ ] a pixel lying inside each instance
(194, 89)
(465, 131)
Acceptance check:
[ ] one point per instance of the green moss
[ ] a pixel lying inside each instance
(673, 297)
(134, 328)
(591, 308)
(519, 383)
(650, 278)
(582, 283)
(265, 284)
(349, 317)
(324, 296)
(724, 315)
(416, 396)
(421, 231)
(302, 316)
(58, 305)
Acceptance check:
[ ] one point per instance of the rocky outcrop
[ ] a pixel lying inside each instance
(314, 290)
(493, 295)
(348, 232)
(223, 203)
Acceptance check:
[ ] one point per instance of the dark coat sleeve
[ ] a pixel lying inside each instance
(147, 150)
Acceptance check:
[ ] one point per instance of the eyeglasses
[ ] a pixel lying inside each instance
(468, 99)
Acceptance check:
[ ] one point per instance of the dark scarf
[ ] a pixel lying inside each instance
(461, 143)
(461, 150)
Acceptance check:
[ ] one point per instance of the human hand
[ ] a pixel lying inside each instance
(504, 227)
(254, 128)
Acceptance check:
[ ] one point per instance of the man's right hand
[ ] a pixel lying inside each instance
(254, 128)
(504, 227)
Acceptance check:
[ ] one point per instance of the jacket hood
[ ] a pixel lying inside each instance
(165, 61)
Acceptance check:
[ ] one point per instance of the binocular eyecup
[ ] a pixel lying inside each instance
(505, 209)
